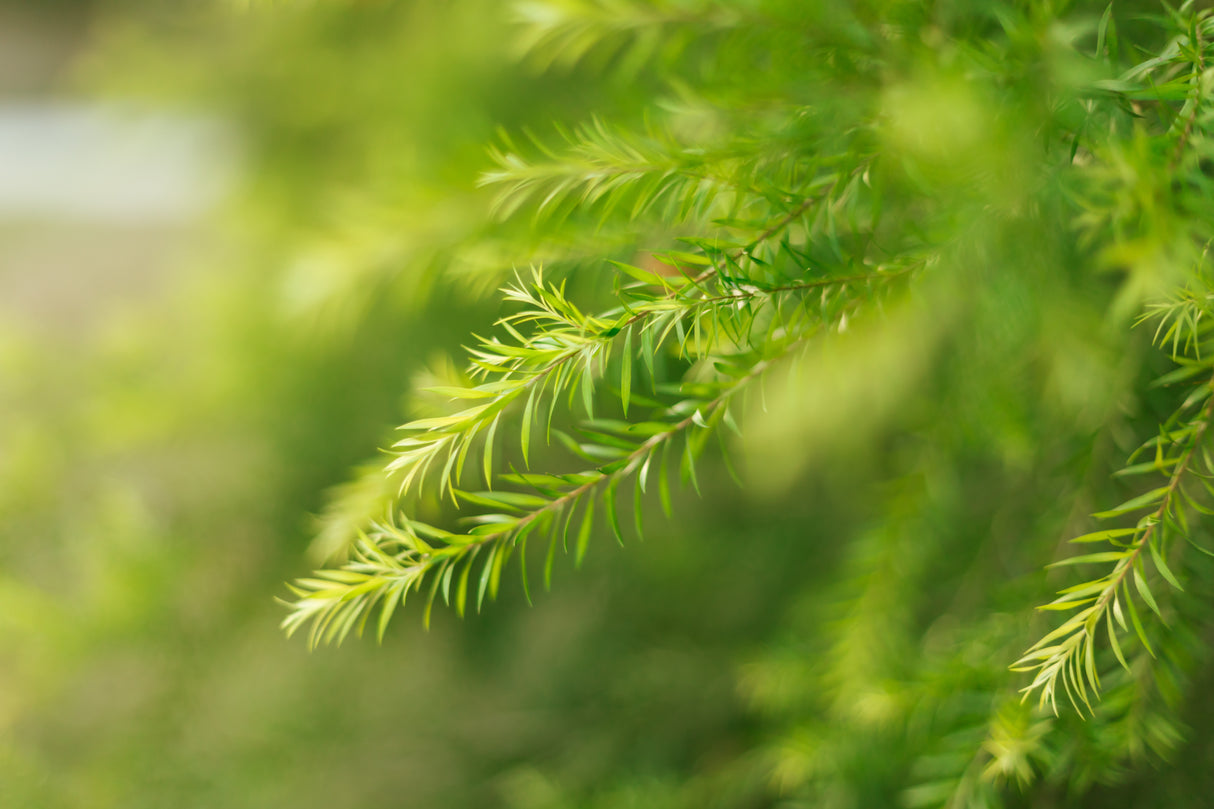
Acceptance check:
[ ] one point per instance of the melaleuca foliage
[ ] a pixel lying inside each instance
(852, 199)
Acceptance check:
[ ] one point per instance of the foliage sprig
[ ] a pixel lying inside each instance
(1066, 656)
(724, 309)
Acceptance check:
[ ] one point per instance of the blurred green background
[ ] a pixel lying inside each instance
(188, 363)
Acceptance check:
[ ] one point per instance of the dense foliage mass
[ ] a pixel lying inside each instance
(830, 193)
(856, 311)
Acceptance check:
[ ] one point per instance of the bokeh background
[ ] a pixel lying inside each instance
(230, 237)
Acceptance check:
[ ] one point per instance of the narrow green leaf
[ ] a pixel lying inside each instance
(1083, 589)
(392, 598)
(486, 573)
(613, 518)
(522, 566)
(519, 501)
(1101, 536)
(644, 276)
(647, 355)
(1150, 467)
(626, 371)
(488, 459)
(525, 428)
(568, 513)
(1141, 501)
(448, 570)
(1089, 662)
(430, 603)
(491, 525)
(1161, 565)
(548, 561)
(675, 258)
(583, 537)
(1180, 374)
(1106, 34)
(461, 594)
(1145, 591)
(1117, 613)
(1204, 550)
(1092, 558)
(459, 393)
(689, 465)
(1138, 629)
(1069, 604)
(499, 562)
(588, 391)
(728, 418)
(1113, 642)
(552, 401)
(463, 455)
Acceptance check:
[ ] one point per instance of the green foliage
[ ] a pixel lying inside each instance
(920, 277)
(855, 198)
